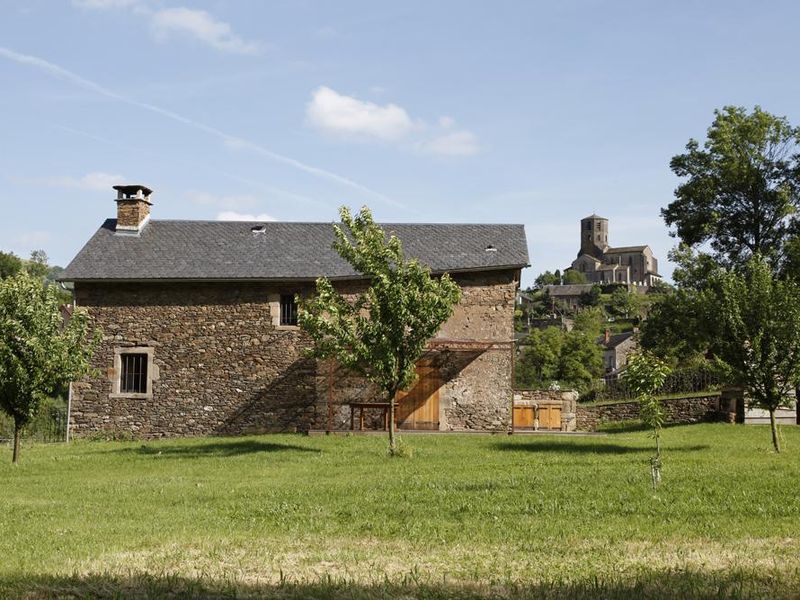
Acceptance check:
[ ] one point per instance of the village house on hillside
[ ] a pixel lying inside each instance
(200, 330)
(600, 263)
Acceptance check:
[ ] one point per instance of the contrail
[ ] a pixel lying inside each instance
(230, 140)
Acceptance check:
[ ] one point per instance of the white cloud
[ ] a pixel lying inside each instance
(346, 116)
(458, 143)
(96, 181)
(230, 202)
(229, 215)
(104, 4)
(59, 72)
(336, 113)
(202, 26)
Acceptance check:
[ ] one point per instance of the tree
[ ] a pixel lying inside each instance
(381, 333)
(742, 188)
(548, 278)
(37, 264)
(10, 264)
(592, 297)
(538, 364)
(39, 352)
(645, 375)
(759, 336)
(571, 276)
(625, 303)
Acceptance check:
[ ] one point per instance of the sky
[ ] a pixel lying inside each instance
(538, 113)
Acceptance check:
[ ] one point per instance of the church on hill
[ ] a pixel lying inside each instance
(600, 263)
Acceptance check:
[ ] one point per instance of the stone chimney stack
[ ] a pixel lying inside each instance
(608, 336)
(133, 208)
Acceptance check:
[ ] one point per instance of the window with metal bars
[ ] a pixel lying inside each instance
(288, 309)
(133, 376)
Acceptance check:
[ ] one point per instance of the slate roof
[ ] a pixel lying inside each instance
(625, 249)
(615, 339)
(220, 250)
(569, 289)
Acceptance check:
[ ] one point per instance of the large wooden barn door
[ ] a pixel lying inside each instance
(418, 408)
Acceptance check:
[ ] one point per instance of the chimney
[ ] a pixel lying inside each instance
(133, 208)
(608, 336)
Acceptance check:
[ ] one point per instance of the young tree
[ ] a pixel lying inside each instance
(381, 333)
(742, 188)
(759, 336)
(645, 375)
(625, 303)
(39, 352)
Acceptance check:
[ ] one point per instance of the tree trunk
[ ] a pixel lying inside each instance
(17, 436)
(392, 437)
(775, 441)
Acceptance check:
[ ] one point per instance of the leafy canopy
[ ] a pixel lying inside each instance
(759, 333)
(39, 352)
(380, 333)
(741, 189)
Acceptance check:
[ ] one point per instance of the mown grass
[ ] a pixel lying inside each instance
(467, 516)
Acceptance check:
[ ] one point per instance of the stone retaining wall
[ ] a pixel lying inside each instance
(678, 410)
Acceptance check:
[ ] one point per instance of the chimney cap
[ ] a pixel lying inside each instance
(132, 191)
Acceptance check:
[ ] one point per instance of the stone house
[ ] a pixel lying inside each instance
(200, 332)
(600, 263)
(616, 349)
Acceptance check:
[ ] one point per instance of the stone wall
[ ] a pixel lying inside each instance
(677, 410)
(130, 213)
(224, 367)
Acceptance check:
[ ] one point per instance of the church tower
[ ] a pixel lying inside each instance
(594, 236)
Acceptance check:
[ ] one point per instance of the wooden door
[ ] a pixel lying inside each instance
(523, 417)
(418, 408)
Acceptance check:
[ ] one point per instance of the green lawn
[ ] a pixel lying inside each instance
(288, 516)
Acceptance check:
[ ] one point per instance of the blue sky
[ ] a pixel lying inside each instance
(525, 112)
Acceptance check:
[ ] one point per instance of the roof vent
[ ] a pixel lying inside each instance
(490, 248)
(257, 229)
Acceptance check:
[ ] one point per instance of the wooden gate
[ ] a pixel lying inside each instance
(550, 416)
(418, 408)
(523, 417)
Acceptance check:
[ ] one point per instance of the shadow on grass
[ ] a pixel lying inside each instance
(654, 585)
(205, 449)
(569, 447)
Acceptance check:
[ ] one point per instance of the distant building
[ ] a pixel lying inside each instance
(600, 263)
(616, 349)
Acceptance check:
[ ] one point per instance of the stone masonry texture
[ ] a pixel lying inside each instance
(677, 410)
(225, 368)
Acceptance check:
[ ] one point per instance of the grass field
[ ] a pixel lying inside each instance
(466, 516)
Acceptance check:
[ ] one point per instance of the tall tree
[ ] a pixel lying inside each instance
(39, 352)
(759, 334)
(741, 189)
(381, 333)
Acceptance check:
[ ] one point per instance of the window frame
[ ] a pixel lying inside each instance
(288, 302)
(151, 372)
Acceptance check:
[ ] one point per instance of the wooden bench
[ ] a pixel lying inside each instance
(361, 406)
